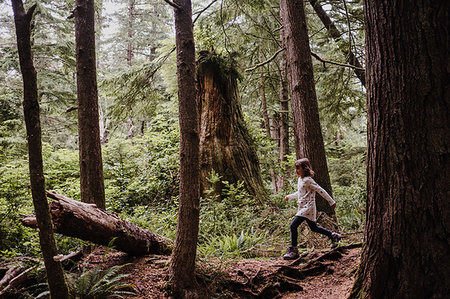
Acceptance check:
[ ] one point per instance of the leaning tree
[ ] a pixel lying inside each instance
(55, 274)
(408, 97)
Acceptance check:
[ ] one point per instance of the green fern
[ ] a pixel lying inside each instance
(98, 283)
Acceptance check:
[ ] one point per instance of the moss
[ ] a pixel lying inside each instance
(223, 67)
(358, 287)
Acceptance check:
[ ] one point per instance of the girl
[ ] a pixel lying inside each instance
(306, 199)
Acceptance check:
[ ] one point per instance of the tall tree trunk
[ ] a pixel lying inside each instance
(408, 211)
(55, 274)
(103, 126)
(337, 36)
(262, 94)
(305, 110)
(225, 144)
(91, 167)
(130, 120)
(284, 112)
(182, 265)
(130, 31)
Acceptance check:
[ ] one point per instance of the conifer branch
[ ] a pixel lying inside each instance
(265, 62)
(335, 63)
(203, 10)
(173, 4)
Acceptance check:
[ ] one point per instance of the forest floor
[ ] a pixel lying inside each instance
(318, 273)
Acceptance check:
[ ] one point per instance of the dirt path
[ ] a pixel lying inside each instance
(318, 274)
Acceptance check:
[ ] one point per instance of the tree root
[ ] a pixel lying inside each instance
(285, 278)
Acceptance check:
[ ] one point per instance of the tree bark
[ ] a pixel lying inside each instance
(55, 274)
(225, 144)
(337, 36)
(305, 110)
(182, 265)
(284, 112)
(87, 222)
(130, 31)
(408, 95)
(265, 114)
(91, 167)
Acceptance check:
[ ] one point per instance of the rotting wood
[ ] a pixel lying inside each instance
(87, 222)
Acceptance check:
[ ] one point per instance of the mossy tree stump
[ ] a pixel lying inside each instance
(225, 143)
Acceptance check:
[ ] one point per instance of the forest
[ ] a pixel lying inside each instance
(149, 148)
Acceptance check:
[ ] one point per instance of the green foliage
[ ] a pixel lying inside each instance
(160, 219)
(99, 283)
(15, 199)
(236, 245)
(135, 92)
(62, 171)
(143, 172)
(347, 165)
(351, 209)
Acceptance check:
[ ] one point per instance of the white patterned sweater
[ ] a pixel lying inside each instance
(306, 197)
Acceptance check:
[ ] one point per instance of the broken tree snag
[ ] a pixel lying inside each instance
(87, 222)
(225, 143)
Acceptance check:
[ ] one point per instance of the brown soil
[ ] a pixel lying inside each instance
(316, 274)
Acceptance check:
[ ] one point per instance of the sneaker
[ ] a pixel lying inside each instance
(335, 238)
(291, 254)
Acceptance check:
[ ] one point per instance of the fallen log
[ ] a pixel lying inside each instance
(10, 274)
(87, 222)
(16, 283)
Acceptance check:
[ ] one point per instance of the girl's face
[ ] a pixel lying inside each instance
(300, 172)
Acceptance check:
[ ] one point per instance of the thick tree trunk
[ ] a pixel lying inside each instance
(225, 144)
(87, 222)
(305, 110)
(408, 95)
(91, 167)
(182, 265)
(337, 36)
(55, 274)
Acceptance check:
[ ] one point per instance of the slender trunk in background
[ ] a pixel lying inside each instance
(408, 209)
(130, 121)
(337, 36)
(103, 128)
(182, 265)
(275, 128)
(103, 120)
(284, 114)
(55, 274)
(130, 31)
(262, 94)
(305, 110)
(91, 167)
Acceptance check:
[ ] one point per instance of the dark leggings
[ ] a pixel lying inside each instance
(312, 225)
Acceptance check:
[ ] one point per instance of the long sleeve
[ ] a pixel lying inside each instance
(292, 196)
(311, 184)
(295, 195)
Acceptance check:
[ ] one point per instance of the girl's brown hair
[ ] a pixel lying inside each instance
(305, 165)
